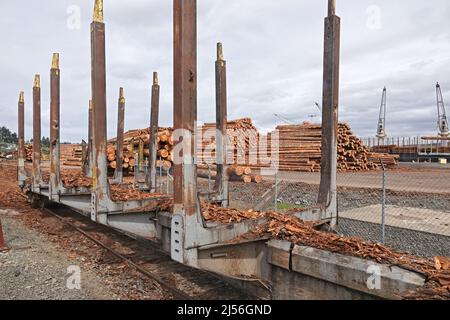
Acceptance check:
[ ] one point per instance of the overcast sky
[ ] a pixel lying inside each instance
(274, 51)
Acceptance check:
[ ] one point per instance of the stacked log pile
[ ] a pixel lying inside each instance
(388, 160)
(242, 138)
(235, 173)
(28, 153)
(300, 150)
(75, 157)
(133, 138)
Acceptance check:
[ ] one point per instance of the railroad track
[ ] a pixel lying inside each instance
(179, 281)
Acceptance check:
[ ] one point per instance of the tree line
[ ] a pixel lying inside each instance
(6, 136)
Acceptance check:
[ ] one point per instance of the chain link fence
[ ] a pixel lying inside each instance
(406, 208)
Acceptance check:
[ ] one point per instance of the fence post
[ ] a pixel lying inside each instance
(383, 204)
(276, 190)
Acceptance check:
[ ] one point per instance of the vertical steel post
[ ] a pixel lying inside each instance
(90, 155)
(37, 175)
(98, 72)
(185, 104)
(118, 174)
(186, 213)
(84, 156)
(151, 176)
(327, 193)
(55, 168)
(141, 155)
(22, 174)
(221, 185)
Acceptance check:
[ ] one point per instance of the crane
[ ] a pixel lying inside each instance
(442, 116)
(284, 119)
(318, 107)
(381, 130)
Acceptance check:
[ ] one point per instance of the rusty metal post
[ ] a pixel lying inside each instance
(55, 167)
(141, 155)
(152, 172)
(118, 174)
(98, 72)
(221, 127)
(186, 206)
(37, 175)
(21, 173)
(185, 103)
(90, 155)
(327, 193)
(84, 156)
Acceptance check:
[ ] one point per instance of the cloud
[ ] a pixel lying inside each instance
(274, 52)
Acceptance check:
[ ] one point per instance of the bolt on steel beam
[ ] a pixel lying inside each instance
(185, 105)
(221, 185)
(22, 174)
(98, 72)
(55, 166)
(152, 172)
(118, 174)
(327, 192)
(37, 175)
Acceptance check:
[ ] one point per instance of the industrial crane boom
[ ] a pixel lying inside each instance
(381, 130)
(284, 119)
(442, 116)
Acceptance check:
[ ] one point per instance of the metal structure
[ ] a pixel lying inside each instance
(330, 109)
(55, 167)
(90, 155)
(151, 178)
(37, 175)
(381, 129)
(118, 174)
(442, 115)
(183, 232)
(21, 173)
(221, 186)
(284, 119)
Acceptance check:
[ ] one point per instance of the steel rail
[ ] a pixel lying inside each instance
(176, 293)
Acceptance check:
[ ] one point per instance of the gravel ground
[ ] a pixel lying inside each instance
(35, 269)
(415, 242)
